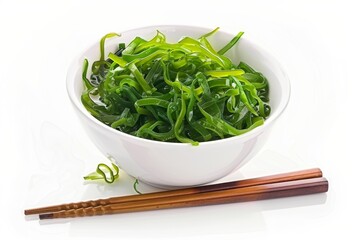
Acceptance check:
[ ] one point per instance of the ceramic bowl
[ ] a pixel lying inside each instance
(177, 164)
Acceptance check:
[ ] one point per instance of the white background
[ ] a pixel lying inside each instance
(44, 151)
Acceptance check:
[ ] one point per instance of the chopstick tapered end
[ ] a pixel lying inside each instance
(46, 216)
(32, 211)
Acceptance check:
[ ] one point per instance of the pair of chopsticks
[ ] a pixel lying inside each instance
(297, 183)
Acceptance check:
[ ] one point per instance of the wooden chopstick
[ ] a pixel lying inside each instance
(292, 176)
(250, 193)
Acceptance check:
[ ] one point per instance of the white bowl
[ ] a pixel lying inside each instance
(178, 164)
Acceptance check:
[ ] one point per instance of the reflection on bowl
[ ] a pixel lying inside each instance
(178, 164)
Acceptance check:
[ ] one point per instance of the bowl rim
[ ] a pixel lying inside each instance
(75, 65)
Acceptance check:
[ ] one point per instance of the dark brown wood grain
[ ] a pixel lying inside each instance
(101, 203)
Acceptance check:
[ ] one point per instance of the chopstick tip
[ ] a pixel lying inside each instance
(46, 216)
(31, 211)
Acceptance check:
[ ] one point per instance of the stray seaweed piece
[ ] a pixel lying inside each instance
(104, 172)
(136, 183)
